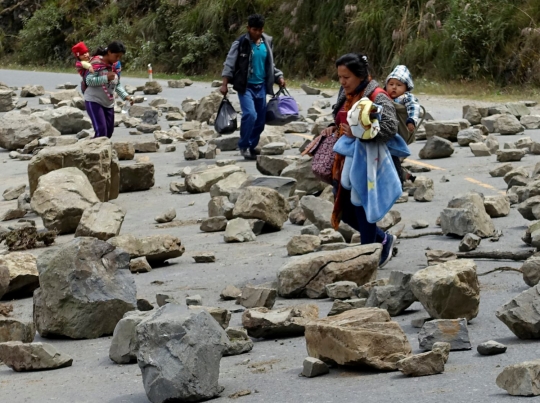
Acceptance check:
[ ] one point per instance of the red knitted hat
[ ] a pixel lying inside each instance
(79, 49)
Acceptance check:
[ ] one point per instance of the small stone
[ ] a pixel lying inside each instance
(314, 367)
(140, 265)
(442, 348)
(329, 235)
(12, 214)
(170, 149)
(419, 323)
(510, 155)
(258, 297)
(239, 230)
(491, 348)
(430, 363)
(167, 216)
(420, 224)
(341, 290)
(480, 149)
(204, 257)
(303, 244)
(310, 230)
(163, 299)
(144, 305)
(195, 300)
(214, 224)
(177, 187)
(230, 293)
(340, 306)
(14, 192)
(521, 379)
(469, 243)
(310, 90)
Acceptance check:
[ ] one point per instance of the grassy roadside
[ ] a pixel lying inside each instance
(475, 90)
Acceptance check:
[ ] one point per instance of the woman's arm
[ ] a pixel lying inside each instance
(96, 80)
(122, 93)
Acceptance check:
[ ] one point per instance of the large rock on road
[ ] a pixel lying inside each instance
(67, 120)
(264, 204)
(522, 314)
(17, 130)
(85, 289)
(156, 248)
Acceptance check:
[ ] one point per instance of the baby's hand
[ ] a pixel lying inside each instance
(411, 127)
(91, 69)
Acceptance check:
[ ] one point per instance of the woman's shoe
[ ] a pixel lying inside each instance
(388, 246)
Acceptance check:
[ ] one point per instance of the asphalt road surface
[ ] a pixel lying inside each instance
(468, 377)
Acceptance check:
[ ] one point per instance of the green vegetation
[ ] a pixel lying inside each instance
(493, 40)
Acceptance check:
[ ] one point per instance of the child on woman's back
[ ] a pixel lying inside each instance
(82, 54)
(399, 85)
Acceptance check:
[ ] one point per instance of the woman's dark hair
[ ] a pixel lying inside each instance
(256, 21)
(357, 63)
(113, 47)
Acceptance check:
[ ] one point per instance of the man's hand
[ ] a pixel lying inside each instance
(224, 89)
(411, 127)
(111, 75)
(281, 82)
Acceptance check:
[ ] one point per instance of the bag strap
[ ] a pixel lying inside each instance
(283, 90)
(376, 92)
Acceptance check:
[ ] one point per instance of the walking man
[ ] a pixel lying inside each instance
(250, 68)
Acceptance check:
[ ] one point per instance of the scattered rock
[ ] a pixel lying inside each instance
(469, 136)
(420, 224)
(430, 363)
(16, 131)
(238, 343)
(230, 293)
(467, 214)
(194, 300)
(220, 207)
(341, 290)
(102, 221)
(12, 329)
(308, 275)
(136, 177)
(329, 235)
(12, 214)
(258, 296)
(214, 224)
(452, 331)
(520, 379)
(521, 315)
(167, 216)
(303, 244)
(393, 217)
(396, 296)
(507, 124)
(491, 348)
(497, 206)
(274, 149)
(152, 88)
(313, 367)
(301, 171)
(510, 155)
(425, 189)
(32, 356)
(204, 257)
(238, 230)
(67, 120)
(179, 354)
(22, 275)
(140, 265)
(14, 192)
(469, 243)
(284, 322)
(264, 204)
(340, 306)
(273, 165)
(449, 290)
(358, 337)
(436, 147)
(125, 344)
(63, 295)
(530, 122)
(472, 114)
(310, 90)
(447, 129)
(202, 182)
(480, 149)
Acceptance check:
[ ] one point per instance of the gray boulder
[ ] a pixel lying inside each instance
(12, 329)
(466, 214)
(85, 289)
(301, 171)
(156, 248)
(16, 131)
(452, 331)
(284, 322)
(521, 314)
(531, 270)
(23, 357)
(179, 354)
(521, 379)
(446, 129)
(395, 297)
(470, 135)
(125, 343)
(102, 221)
(238, 230)
(257, 296)
(491, 348)
(264, 204)
(507, 124)
(67, 120)
(469, 243)
(436, 147)
(238, 342)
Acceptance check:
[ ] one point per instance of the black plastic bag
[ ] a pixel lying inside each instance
(226, 122)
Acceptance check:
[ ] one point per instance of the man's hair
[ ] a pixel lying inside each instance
(256, 21)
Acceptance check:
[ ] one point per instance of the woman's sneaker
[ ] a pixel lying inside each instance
(244, 152)
(388, 247)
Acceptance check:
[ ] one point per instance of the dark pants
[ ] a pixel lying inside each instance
(356, 218)
(253, 104)
(102, 119)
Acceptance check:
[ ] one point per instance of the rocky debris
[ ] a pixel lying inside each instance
(221, 315)
(497, 206)
(469, 136)
(329, 235)
(31, 91)
(491, 348)
(67, 120)
(124, 150)
(264, 204)
(238, 342)
(308, 275)
(492, 144)
(149, 146)
(66, 95)
(177, 83)
(466, 214)
(177, 187)
(220, 207)
(204, 257)
(22, 275)
(191, 151)
(424, 189)
(297, 217)
(14, 192)
(310, 90)
(420, 224)
(480, 149)
(286, 187)
(489, 121)
(229, 185)
(528, 238)
(447, 129)
(340, 306)
(507, 124)
(93, 157)
(16, 130)
(358, 337)
(436, 147)
(435, 257)
(283, 322)
(449, 290)
(230, 293)
(179, 354)
(430, 363)
(201, 182)
(521, 315)
(12, 329)
(340, 290)
(238, 230)
(530, 122)
(273, 165)
(469, 243)
(101, 221)
(518, 109)
(310, 230)
(301, 171)
(194, 300)
(156, 248)
(319, 212)
(125, 344)
(313, 367)
(6, 100)
(136, 177)
(452, 331)
(12, 214)
(303, 244)
(25, 236)
(65, 306)
(521, 379)
(531, 270)
(396, 296)
(32, 356)
(472, 114)
(61, 197)
(393, 217)
(258, 296)
(529, 208)
(140, 265)
(510, 155)
(226, 143)
(214, 224)
(276, 148)
(152, 88)
(166, 217)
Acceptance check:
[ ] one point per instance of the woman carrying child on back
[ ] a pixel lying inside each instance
(102, 84)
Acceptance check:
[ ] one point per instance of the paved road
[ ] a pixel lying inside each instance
(468, 376)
